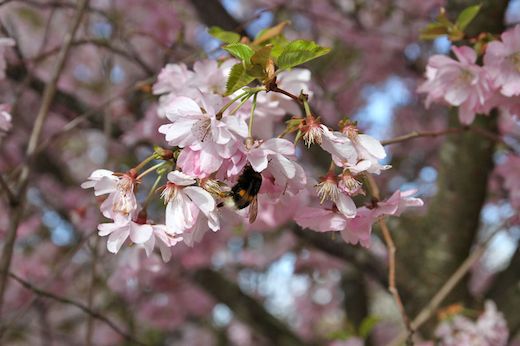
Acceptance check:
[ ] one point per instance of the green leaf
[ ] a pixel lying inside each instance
(367, 325)
(432, 31)
(261, 56)
(240, 51)
(467, 16)
(238, 77)
(299, 52)
(269, 33)
(223, 35)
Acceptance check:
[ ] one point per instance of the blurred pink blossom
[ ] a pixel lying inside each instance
(502, 61)
(460, 83)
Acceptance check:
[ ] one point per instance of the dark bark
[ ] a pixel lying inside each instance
(246, 308)
(355, 298)
(363, 260)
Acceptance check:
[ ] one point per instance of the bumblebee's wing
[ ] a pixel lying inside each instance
(253, 210)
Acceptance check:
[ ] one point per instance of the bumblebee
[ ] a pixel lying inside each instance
(245, 191)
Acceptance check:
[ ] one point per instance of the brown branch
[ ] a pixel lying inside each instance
(360, 258)
(425, 314)
(10, 196)
(48, 96)
(390, 245)
(80, 306)
(391, 280)
(418, 134)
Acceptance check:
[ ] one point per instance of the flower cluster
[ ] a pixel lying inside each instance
(489, 329)
(474, 88)
(215, 135)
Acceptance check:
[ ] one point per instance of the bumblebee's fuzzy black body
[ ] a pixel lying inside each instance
(247, 187)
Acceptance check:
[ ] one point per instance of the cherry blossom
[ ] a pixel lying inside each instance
(183, 203)
(198, 127)
(489, 329)
(119, 230)
(460, 83)
(164, 239)
(359, 228)
(121, 199)
(502, 61)
(276, 158)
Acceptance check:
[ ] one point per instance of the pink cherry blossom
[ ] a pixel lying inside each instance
(119, 230)
(460, 83)
(502, 61)
(4, 43)
(198, 127)
(210, 75)
(328, 189)
(173, 78)
(184, 204)
(369, 152)
(276, 157)
(339, 146)
(164, 239)
(359, 228)
(5, 118)
(121, 199)
(489, 329)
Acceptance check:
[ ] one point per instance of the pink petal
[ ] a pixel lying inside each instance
(346, 205)
(202, 199)
(179, 178)
(372, 145)
(140, 233)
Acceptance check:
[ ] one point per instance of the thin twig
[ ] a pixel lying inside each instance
(286, 93)
(418, 134)
(131, 56)
(80, 306)
(391, 280)
(390, 245)
(48, 96)
(425, 314)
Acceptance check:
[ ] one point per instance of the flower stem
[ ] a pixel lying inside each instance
(151, 169)
(253, 107)
(152, 191)
(145, 161)
(227, 105)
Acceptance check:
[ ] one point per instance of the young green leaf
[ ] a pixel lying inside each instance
(240, 51)
(261, 56)
(432, 31)
(223, 35)
(299, 52)
(238, 78)
(269, 33)
(467, 16)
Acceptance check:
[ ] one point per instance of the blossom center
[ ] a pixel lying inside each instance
(515, 59)
(124, 204)
(202, 129)
(466, 76)
(169, 192)
(327, 188)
